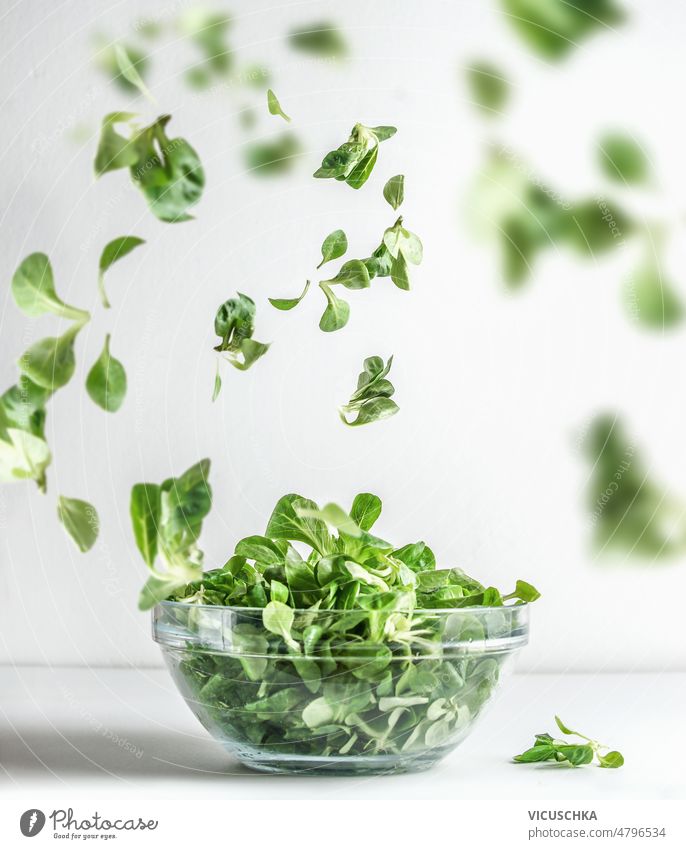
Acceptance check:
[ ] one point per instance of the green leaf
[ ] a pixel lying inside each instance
(265, 159)
(382, 133)
(145, 517)
(353, 275)
(80, 520)
(285, 523)
(261, 549)
(156, 590)
(51, 362)
(289, 303)
(536, 754)
(130, 73)
(217, 384)
(399, 272)
(251, 351)
(234, 323)
(635, 515)
(106, 381)
(488, 86)
(108, 63)
(207, 29)
(524, 592)
(374, 410)
(274, 106)
(337, 311)
(563, 728)
(394, 190)
(33, 289)
(622, 159)
(320, 39)
(334, 246)
(333, 515)
(417, 556)
(399, 241)
(185, 501)
(366, 510)
(24, 456)
(168, 172)
(363, 169)
(371, 400)
(22, 406)
(113, 251)
(318, 712)
(114, 150)
(354, 160)
(612, 760)
(575, 755)
(555, 27)
(278, 619)
(651, 299)
(278, 592)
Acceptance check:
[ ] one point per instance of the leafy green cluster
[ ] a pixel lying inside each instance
(354, 160)
(234, 323)
(339, 649)
(167, 519)
(167, 171)
(546, 748)
(353, 569)
(527, 217)
(46, 366)
(631, 513)
(372, 400)
(399, 247)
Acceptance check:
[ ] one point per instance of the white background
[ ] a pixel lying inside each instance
(494, 390)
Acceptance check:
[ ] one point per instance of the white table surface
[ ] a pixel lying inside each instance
(125, 733)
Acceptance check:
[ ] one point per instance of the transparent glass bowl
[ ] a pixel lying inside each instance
(347, 691)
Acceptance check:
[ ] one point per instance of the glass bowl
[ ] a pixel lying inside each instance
(338, 691)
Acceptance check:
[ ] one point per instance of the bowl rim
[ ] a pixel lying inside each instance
(517, 605)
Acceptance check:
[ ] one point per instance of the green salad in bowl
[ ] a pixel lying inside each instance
(320, 647)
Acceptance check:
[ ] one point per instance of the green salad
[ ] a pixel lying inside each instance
(339, 642)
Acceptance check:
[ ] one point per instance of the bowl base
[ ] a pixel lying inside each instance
(333, 766)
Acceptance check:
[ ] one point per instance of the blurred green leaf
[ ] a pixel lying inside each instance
(594, 226)
(108, 60)
(622, 159)
(130, 72)
(321, 39)
(488, 87)
(274, 157)
(512, 206)
(630, 512)
(650, 299)
(552, 28)
(207, 29)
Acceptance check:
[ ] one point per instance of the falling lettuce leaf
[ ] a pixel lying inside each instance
(650, 299)
(622, 159)
(553, 28)
(631, 513)
(265, 159)
(489, 88)
(321, 39)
